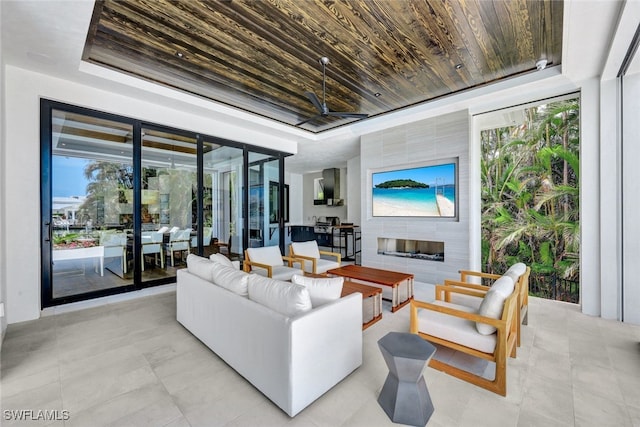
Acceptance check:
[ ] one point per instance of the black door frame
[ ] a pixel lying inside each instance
(46, 199)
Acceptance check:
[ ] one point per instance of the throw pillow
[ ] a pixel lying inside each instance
(491, 306)
(309, 249)
(504, 285)
(321, 290)
(219, 258)
(231, 279)
(286, 298)
(201, 267)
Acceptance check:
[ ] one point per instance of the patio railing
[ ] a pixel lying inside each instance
(551, 286)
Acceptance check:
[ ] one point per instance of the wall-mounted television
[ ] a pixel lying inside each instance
(428, 190)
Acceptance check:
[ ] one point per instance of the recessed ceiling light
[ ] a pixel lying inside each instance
(377, 94)
(180, 55)
(458, 66)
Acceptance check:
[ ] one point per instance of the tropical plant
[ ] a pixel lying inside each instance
(530, 192)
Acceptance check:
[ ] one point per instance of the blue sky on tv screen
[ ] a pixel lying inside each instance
(427, 175)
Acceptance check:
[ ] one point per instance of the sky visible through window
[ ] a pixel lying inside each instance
(68, 176)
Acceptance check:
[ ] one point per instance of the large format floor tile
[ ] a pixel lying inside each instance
(132, 364)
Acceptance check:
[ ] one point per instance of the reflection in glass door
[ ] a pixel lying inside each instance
(169, 189)
(222, 200)
(85, 240)
(264, 200)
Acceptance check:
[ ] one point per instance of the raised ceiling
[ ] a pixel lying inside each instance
(262, 56)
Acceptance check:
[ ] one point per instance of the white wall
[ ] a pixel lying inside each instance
(631, 198)
(21, 167)
(441, 137)
(3, 180)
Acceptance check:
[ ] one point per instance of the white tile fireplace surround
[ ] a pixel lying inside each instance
(418, 143)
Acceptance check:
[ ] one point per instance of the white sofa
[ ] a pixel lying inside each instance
(292, 359)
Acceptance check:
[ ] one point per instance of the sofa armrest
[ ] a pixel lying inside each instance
(337, 255)
(308, 258)
(443, 292)
(248, 265)
(465, 273)
(291, 261)
(326, 346)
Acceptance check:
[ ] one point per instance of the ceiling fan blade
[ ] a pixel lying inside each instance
(353, 115)
(309, 119)
(314, 100)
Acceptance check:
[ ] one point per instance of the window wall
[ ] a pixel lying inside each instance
(124, 202)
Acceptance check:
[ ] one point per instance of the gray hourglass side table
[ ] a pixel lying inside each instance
(404, 396)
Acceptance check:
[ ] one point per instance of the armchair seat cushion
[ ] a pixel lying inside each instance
(322, 265)
(455, 329)
(281, 272)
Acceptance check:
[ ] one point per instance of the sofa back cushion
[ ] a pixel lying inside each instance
(516, 270)
(321, 290)
(309, 249)
(268, 255)
(231, 279)
(201, 267)
(286, 298)
(504, 285)
(492, 306)
(219, 258)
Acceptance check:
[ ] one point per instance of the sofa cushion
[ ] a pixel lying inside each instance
(321, 290)
(231, 279)
(455, 329)
(267, 255)
(516, 270)
(504, 285)
(309, 249)
(219, 258)
(491, 306)
(201, 267)
(286, 298)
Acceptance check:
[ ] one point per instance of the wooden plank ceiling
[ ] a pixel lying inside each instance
(263, 55)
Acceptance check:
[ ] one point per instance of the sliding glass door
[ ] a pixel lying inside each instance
(85, 227)
(266, 221)
(125, 202)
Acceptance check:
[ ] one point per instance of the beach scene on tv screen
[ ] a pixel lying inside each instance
(425, 191)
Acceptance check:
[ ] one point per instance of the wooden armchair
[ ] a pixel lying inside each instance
(311, 254)
(520, 275)
(268, 261)
(457, 327)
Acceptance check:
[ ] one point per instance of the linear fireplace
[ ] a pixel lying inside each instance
(410, 248)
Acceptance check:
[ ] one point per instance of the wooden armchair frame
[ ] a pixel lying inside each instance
(247, 264)
(314, 260)
(506, 330)
(522, 286)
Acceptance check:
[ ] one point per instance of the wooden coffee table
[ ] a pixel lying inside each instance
(401, 283)
(371, 299)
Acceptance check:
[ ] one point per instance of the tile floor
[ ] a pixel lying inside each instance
(131, 364)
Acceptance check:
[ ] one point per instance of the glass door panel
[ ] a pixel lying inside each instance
(222, 199)
(264, 200)
(91, 189)
(168, 198)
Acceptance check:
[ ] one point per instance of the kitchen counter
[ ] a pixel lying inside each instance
(344, 239)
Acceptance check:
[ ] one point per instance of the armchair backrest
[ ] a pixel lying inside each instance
(268, 255)
(308, 249)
